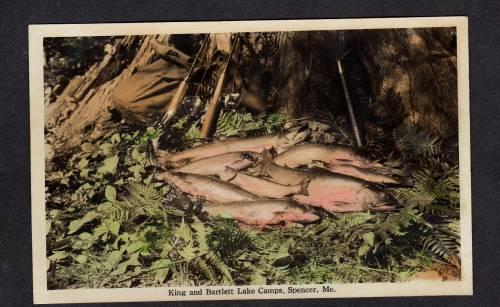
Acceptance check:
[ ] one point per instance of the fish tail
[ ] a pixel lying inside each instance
(163, 176)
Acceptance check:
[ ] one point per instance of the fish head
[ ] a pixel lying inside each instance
(299, 213)
(294, 136)
(376, 200)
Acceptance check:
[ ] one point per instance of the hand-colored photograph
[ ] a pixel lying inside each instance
(243, 159)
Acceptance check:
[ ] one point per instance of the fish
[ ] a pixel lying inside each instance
(329, 191)
(305, 154)
(263, 212)
(340, 193)
(363, 173)
(280, 174)
(212, 166)
(209, 188)
(255, 144)
(259, 186)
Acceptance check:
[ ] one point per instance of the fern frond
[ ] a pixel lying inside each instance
(223, 268)
(142, 200)
(443, 245)
(204, 268)
(414, 143)
(228, 239)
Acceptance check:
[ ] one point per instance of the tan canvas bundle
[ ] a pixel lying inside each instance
(142, 97)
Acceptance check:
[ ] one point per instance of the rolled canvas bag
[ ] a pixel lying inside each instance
(141, 98)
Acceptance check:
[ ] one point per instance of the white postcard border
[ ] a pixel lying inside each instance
(415, 288)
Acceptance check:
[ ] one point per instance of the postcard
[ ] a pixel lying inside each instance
(247, 160)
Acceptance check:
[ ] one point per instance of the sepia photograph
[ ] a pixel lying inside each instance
(250, 160)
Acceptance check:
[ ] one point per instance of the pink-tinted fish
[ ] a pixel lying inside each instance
(363, 173)
(255, 144)
(259, 186)
(305, 154)
(209, 188)
(280, 174)
(329, 191)
(340, 193)
(215, 165)
(262, 213)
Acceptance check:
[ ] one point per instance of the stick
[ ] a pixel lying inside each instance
(182, 89)
(212, 113)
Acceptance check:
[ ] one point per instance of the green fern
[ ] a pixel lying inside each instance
(443, 245)
(227, 239)
(393, 225)
(203, 267)
(233, 123)
(414, 143)
(142, 200)
(435, 191)
(222, 267)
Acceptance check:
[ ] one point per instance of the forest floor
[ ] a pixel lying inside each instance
(111, 225)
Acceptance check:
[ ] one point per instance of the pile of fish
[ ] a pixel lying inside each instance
(240, 177)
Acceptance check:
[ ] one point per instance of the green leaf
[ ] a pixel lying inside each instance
(137, 170)
(106, 149)
(135, 246)
(113, 259)
(363, 249)
(184, 232)
(109, 165)
(188, 252)
(115, 138)
(84, 173)
(86, 236)
(75, 225)
(48, 226)
(147, 181)
(83, 163)
(257, 279)
(59, 255)
(225, 215)
(122, 267)
(369, 238)
(81, 259)
(110, 193)
(161, 268)
(114, 227)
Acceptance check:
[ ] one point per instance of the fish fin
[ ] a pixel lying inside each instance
(163, 157)
(263, 161)
(341, 203)
(303, 199)
(181, 163)
(384, 207)
(304, 185)
(344, 161)
(228, 174)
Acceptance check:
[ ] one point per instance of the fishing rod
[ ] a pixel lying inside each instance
(211, 115)
(350, 109)
(172, 107)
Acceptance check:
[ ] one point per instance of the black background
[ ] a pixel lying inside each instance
(484, 49)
